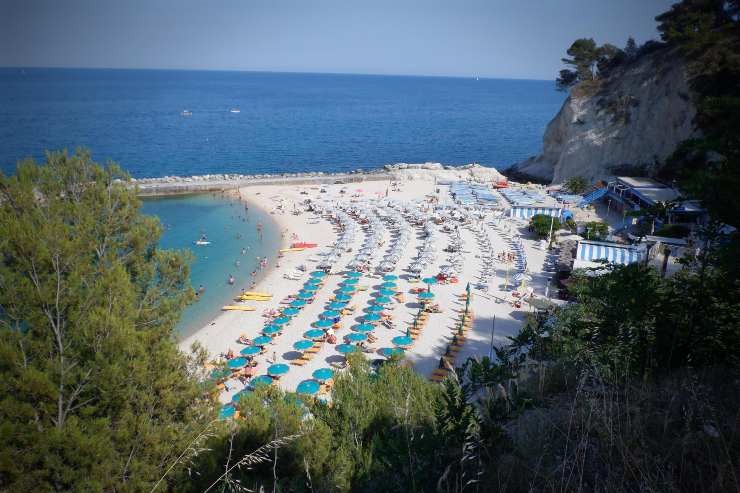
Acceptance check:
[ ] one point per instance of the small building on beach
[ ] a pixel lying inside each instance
(591, 253)
(527, 211)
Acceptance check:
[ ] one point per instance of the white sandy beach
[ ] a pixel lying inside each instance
(493, 301)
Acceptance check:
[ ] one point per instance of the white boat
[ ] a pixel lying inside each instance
(186, 113)
(235, 110)
(202, 242)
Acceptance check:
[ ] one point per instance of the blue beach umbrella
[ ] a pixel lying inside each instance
(323, 323)
(261, 340)
(382, 300)
(391, 351)
(297, 303)
(390, 277)
(251, 350)
(313, 281)
(304, 295)
(402, 341)
(336, 305)
(346, 348)
(429, 280)
(386, 292)
(318, 274)
(347, 289)
(308, 387)
(356, 337)
(426, 295)
(219, 374)
(302, 345)
(228, 411)
(261, 381)
(350, 282)
(310, 288)
(374, 309)
(281, 320)
(291, 311)
(235, 398)
(323, 374)
(271, 329)
(314, 334)
(237, 363)
(371, 317)
(354, 274)
(277, 369)
(389, 285)
(363, 328)
(342, 297)
(330, 314)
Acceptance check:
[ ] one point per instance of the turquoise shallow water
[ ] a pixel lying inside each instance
(230, 229)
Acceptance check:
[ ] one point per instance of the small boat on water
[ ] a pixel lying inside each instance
(186, 113)
(235, 110)
(203, 240)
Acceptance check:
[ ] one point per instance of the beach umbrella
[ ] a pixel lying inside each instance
(374, 309)
(291, 311)
(318, 274)
(228, 411)
(354, 274)
(382, 300)
(363, 328)
(323, 323)
(297, 303)
(302, 345)
(261, 381)
(313, 281)
(271, 329)
(371, 317)
(342, 297)
(323, 374)
(336, 305)
(426, 295)
(278, 369)
(314, 334)
(388, 285)
(310, 288)
(309, 387)
(386, 292)
(219, 374)
(330, 314)
(250, 350)
(356, 337)
(390, 277)
(350, 282)
(261, 340)
(281, 320)
(429, 281)
(402, 341)
(346, 348)
(237, 363)
(235, 398)
(304, 296)
(391, 351)
(347, 289)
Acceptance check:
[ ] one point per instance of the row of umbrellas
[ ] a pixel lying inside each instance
(401, 237)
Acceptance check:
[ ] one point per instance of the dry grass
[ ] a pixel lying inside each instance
(681, 434)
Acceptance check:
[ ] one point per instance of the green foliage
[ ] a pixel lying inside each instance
(576, 184)
(595, 230)
(542, 223)
(95, 394)
(588, 62)
(673, 231)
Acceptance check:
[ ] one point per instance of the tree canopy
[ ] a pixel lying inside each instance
(95, 394)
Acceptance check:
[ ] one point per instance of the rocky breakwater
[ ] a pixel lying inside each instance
(623, 124)
(399, 172)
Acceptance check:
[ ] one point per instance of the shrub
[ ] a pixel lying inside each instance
(673, 231)
(541, 223)
(576, 184)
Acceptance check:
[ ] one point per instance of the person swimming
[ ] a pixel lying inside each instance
(231, 279)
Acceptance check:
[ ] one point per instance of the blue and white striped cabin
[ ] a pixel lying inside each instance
(525, 211)
(592, 251)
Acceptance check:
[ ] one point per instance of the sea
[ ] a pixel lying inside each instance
(261, 122)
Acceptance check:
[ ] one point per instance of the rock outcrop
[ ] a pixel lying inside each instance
(623, 124)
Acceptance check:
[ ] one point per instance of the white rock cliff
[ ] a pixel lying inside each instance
(637, 117)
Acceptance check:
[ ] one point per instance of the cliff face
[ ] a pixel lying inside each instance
(621, 124)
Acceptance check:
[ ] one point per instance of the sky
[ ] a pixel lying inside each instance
(523, 39)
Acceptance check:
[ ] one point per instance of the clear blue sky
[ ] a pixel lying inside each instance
(488, 38)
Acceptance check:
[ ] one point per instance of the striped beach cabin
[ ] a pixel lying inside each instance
(527, 211)
(593, 251)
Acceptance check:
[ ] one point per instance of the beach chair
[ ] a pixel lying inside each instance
(299, 361)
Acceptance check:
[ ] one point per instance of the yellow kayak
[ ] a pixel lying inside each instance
(255, 293)
(239, 308)
(252, 298)
(286, 250)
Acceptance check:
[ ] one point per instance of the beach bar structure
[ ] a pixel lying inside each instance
(635, 193)
(591, 253)
(527, 211)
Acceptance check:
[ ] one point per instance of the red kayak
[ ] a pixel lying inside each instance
(304, 245)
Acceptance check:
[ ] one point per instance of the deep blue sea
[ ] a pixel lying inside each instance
(287, 121)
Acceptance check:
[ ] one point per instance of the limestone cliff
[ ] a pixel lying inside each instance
(622, 124)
